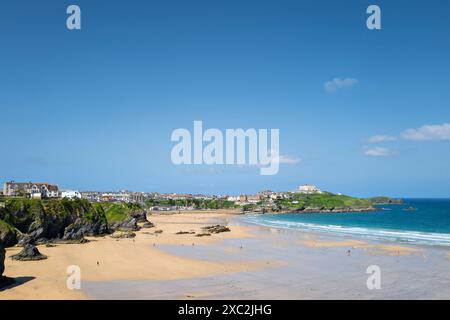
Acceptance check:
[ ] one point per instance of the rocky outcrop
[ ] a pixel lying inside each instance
(24, 239)
(139, 214)
(2, 260)
(41, 222)
(154, 233)
(148, 224)
(385, 200)
(123, 234)
(216, 229)
(83, 227)
(62, 241)
(4, 281)
(8, 236)
(129, 224)
(185, 232)
(29, 253)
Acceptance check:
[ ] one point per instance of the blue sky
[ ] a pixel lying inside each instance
(95, 108)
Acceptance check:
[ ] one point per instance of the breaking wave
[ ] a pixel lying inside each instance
(406, 236)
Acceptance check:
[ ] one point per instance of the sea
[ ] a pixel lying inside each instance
(416, 221)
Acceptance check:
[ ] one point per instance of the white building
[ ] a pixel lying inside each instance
(279, 195)
(43, 190)
(309, 189)
(32, 189)
(70, 194)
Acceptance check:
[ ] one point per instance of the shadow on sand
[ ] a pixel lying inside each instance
(9, 283)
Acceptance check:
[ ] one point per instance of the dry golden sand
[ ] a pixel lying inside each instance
(371, 248)
(125, 259)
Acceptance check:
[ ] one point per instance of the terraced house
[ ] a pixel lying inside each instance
(33, 190)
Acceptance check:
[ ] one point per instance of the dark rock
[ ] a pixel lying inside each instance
(156, 232)
(4, 281)
(82, 227)
(45, 226)
(216, 229)
(2, 260)
(148, 224)
(42, 241)
(129, 224)
(24, 239)
(8, 236)
(29, 253)
(203, 235)
(139, 214)
(38, 229)
(74, 241)
(123, 234)
(42, 221)
(185, 232)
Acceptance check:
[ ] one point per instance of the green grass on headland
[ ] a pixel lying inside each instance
(324, 200)
(19, 212)
(117, 211)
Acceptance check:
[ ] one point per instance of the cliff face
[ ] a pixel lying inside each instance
(7, 234)
(24, 220)
(2, 261)
(4, 281)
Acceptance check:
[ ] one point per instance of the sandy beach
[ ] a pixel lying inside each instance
(249, 262)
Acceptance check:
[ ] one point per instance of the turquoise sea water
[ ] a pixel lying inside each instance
(420, 221)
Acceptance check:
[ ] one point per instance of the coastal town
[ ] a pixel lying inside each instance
(36, 190)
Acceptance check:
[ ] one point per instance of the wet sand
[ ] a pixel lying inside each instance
(390, 249)
(250, 262)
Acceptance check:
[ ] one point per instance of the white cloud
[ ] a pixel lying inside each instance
(423, 133)
(282, 159)
(339, 83)
(381, 138)
(436, 132)
(289, 160)
(378, 152)
(428, 132)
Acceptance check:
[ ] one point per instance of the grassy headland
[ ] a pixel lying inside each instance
(321, 201)
(22, 218)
